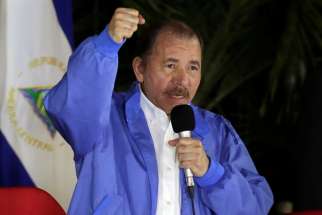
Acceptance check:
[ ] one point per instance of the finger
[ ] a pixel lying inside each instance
(186, 164)
(120, 24)
(141, 19)
(123, 33)
(131, 11)
(185, 141)
(173, 142)
(188, 145)
(188, 156)
(127, 18)
(127, 33)
(187, 150)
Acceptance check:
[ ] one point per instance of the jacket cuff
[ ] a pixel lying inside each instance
(212, 176)
(105, 43)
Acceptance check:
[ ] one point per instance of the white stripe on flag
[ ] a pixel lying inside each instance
(33, 56)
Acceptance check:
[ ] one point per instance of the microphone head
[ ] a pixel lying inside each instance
(182, 118)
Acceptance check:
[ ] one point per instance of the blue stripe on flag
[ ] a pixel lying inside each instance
(12, 172)
(64, 13)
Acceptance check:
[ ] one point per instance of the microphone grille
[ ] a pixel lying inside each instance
(182, 118)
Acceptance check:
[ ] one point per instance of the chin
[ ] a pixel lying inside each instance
(172, 103)
(175, 104)
(181, 102)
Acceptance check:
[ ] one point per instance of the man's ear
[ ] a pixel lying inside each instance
(138, 68)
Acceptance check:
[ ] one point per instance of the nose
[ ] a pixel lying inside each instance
(181, 77)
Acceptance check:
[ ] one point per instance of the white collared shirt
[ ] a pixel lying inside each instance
(169, 198)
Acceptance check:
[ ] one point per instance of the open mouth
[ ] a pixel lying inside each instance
(177, 96)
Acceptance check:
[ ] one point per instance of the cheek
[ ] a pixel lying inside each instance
(161, 87)
(195, 84)
(195, 79)
(156, 86)
(160, 82)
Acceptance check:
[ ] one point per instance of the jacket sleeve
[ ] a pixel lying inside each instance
(240, 190)
(79, 105)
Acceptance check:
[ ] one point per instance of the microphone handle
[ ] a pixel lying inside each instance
(187, 172)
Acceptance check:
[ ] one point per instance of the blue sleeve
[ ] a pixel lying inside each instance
(213, 174)
(79, 105)
(240, 189)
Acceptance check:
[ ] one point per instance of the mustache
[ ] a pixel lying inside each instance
(178, 90)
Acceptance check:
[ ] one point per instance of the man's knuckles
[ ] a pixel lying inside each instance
(126, 18)
(131, 11)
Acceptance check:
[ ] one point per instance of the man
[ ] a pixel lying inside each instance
(126, 153)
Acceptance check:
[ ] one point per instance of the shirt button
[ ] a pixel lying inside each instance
(168, 202)
(169, 168)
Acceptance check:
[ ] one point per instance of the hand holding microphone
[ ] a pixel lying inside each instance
(190, 152)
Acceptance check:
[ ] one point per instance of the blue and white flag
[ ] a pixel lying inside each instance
(34, 49)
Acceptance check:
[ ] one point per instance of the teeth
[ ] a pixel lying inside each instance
(177, 97)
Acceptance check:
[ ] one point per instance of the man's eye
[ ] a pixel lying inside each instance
(194, 68)
(170, 66)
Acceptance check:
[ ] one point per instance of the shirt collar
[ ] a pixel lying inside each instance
(152, 112)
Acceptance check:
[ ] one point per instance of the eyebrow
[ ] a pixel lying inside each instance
(194, 62)
(171, 60)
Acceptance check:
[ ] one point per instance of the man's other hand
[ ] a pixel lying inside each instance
(191, 154)
(124, 23)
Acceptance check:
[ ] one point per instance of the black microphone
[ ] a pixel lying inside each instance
(183, 122)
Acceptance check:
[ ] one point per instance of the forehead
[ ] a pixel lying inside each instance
(168, 43)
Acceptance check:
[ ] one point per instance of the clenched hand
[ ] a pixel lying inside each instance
(124, 23)
(191, 154)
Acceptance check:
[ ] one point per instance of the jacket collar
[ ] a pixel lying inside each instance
(143, 143)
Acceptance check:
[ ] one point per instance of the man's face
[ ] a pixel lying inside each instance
(171, 74)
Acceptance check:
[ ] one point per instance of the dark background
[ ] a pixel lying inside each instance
(261, 70)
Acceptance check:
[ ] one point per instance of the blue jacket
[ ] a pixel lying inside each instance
(114, 153)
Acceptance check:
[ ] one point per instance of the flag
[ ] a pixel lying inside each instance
(35, 43)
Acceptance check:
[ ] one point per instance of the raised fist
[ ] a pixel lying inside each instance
(124, 23)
